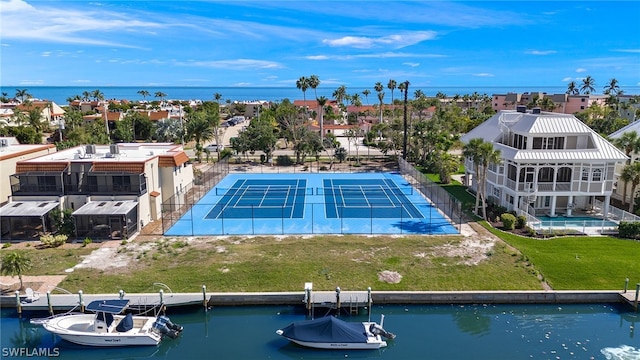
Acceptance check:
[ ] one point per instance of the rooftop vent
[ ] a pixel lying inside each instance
(535, 110)
(521, 109)
(114, 149)
(4, 142)
(90, 149)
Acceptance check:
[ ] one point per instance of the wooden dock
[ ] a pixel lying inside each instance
(352, 301)
(631, 298)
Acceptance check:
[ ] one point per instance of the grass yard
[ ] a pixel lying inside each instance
(285, 264)
(580, 262)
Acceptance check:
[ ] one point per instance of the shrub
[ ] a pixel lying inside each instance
(52, 241)
(508, 221)
(284, 160)
(86, 241)
(629, 230)
(521, 222)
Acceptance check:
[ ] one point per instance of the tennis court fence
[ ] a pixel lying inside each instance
(178, 205)
(343, 190)
(441, 198)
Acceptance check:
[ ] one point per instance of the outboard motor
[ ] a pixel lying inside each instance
(170, 325)
(376, 329)
(165, 327)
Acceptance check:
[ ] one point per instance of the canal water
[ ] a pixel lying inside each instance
(585, 331)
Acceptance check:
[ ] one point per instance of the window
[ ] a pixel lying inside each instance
(585, 174)
(548, 143)
(547, 201)
(545, 175)
(121, 183)
(496, 192)
(519, 141)
(597, 175)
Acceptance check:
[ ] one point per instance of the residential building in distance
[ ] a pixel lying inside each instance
(552, 163)
(12, 152)
(563, 103)
(112, 190)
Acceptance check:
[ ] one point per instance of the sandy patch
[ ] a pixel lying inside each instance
(390, 277)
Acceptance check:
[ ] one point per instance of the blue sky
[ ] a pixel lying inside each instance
(353, 43)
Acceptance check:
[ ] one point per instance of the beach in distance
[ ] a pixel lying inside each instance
(60, 94)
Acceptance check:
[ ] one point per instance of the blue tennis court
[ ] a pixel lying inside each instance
(332, 203)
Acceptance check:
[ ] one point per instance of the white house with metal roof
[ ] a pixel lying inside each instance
(552, 163)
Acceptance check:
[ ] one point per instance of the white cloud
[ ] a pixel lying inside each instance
(46, 54)
(412, 64)
(81, 81)
(71, 25)
(540, 52)
(395, 41)
(484, 75)
(317, 57)
(634, 51)
(237, 64)
(581, 70)
(567, 79)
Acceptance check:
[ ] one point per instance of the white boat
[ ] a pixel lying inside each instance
(329, 332)
(107, 325)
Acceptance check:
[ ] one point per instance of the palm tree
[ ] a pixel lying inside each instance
(22, 93)
(378, 87)
(217, 96)
(631, 173)
(612, 88)
(161, 95)
(303, 84)
(97, 95)
(471, 151)
(322, 101)
(15, 263)
(392, 86)
(86, 95)
(572, 88)
(314, 82)
(144, 94)
(629, 142)
(355, 101)
(381, 98)
(488, 155)
(340, 94)
(366, 93)
(588, 85)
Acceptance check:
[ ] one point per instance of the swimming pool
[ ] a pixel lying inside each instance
(575, 221)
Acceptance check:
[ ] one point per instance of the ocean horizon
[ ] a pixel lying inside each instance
(59, 94)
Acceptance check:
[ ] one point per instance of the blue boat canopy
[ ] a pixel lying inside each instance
(108, 306)
(328, 329)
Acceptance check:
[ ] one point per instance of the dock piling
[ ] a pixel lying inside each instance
(49, 302)
(121, 294)
(635, 303)
(81, 301)
(204, 297)
(369, 301)
(18, 303)
(626, 285)
(338, 300)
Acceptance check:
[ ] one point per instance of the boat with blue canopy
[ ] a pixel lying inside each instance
(109, 324)
(330, 332)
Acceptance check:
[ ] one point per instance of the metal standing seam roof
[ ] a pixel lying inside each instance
(549, 124)
(28, 208)
(114, 207)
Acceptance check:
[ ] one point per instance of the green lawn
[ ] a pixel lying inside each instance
(581, 262)
(351, 262)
